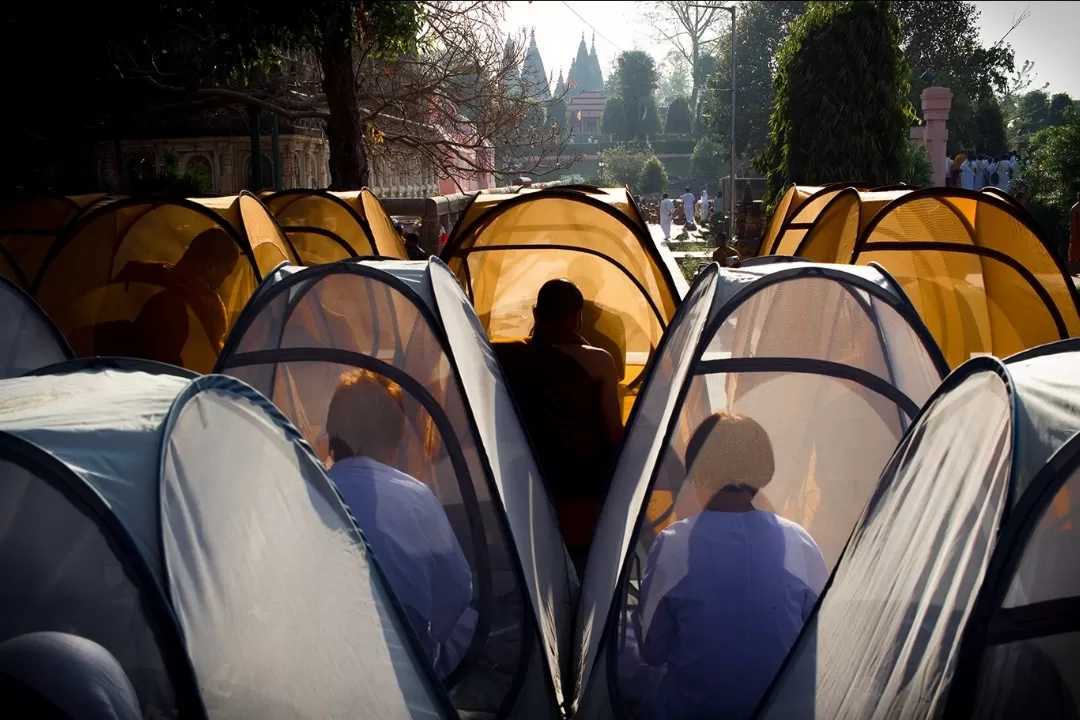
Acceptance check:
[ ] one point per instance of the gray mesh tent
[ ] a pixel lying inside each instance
(28, 338)
(183, 525)
(831, 361)
(409, 323)
(959, 595)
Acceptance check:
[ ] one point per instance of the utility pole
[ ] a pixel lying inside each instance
(731, 190)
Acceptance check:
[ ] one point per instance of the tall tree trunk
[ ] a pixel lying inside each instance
(344, 129)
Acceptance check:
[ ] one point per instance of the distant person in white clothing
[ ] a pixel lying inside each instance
(688, 201)
(704, 205)
(725, 592)
(400, 517)
(967, 173)
(667, 209)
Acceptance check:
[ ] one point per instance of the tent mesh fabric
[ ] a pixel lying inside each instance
(282, 611)
(388, 240)
(118, 283)
(302, 213)
(297, 348)
(63, 572)
(512, 251)
(28, 339)
(885, 637)
(1028, 670)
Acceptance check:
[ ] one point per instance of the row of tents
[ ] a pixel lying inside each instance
(173, 474)
(185, 522)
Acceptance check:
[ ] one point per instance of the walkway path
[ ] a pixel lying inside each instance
(681, 286)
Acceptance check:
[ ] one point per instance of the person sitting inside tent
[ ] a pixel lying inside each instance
(568, 396)
(724, 592)
(161, 329)
(400, 517)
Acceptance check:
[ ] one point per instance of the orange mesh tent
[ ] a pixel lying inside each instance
(973, 264)
(29, 226)
(504, 256)
(158, 279)
(976, 268)
(617, 197)
(326, 226)
(828, 235)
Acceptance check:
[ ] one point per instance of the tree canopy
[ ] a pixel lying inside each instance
(841, 110)
(613, 121)
(678, 117)
(653, 177)
(1051, 177)
(637, 84)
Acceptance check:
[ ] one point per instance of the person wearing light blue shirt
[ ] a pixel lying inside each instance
(724, 592)
(400, 517)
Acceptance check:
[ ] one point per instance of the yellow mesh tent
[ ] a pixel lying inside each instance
(326, 226)
(977, 270)
(504, 257)
(29, 226)
(617, 197)
(830, 236)
(321, 227)
(158, 279)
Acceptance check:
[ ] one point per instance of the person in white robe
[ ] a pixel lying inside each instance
(688, 201)
(1004, 171)
(704, 204)
(667, 209)
(967, 173)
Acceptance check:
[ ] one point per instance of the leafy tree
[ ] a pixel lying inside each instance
(692, 28)
(171, 182)
(613, 121)
(762, 28)
(990, 123)
(637, 81)
(674, 79)
(841, 111)
(678, 117)
(613, 81)
(622, 165)
(1058, 103)
(653, 177)
(1033, 111)
(1051, 177)
(557, 117)
(708, 163)
(651, 124)
(918, 166)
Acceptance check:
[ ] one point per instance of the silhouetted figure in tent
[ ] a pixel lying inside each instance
(567, 393)
(725, 592)
(162, 328)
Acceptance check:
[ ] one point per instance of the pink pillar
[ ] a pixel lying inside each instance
(936, 103)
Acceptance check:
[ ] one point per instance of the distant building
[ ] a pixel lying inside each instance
(585, 111)
(585, 74)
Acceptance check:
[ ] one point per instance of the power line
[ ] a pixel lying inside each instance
(602, 36)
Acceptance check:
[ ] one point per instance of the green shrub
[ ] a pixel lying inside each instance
(653, 177)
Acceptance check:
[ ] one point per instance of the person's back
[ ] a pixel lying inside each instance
(401, 518)
(741, 586)
(567, 394)
(725, 592)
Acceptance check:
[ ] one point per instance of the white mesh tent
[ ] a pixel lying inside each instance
(185, 526)
(411, 324)
(28, 338)
(959, 595)
(830, 360)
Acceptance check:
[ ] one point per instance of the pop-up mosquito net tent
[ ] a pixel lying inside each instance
(28, 338)
(29, 226)
(505, 256)
(325, 226)
(481, 202)
(831, 362)
(183, 525)
(311, 333)
(958, 594)
(158, 279)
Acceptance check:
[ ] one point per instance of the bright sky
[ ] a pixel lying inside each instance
(1050, 36)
